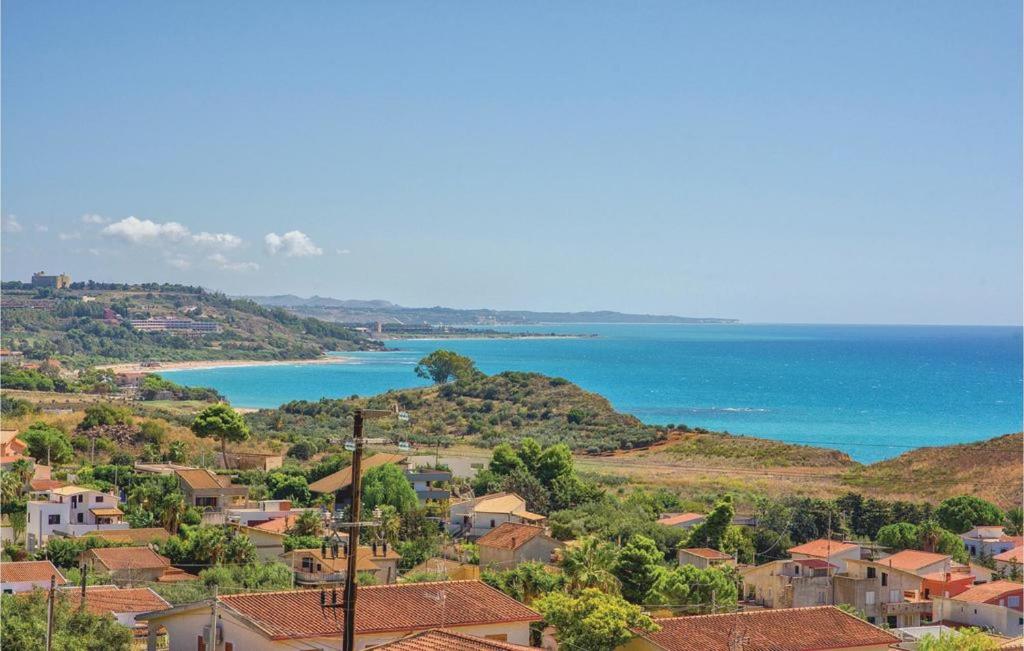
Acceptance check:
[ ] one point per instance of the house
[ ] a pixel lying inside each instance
(438, 640)
(994, 606)
(208, 490)
(833, 551)
(384, 613)
(946, 584)
(130, 565)
(891, 590)
(70, 511)
(989, 541)
(784, 629)
(12, 448)
(142, 537)
(123, 603)
(264, 511)
(1010, 561)
(447, 569)
(510, 544)
(477, 516)
(789, 583)
(26, 576)
(981, 573)
(429, 483)
(322, 567)
(252, 461)
(682, 520)
(340, 483)
(704, 557)
(269, 541)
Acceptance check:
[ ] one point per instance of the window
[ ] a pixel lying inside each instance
(1013, 601)
(99, 499)
(871, 620)
(891, 621)
(492, 524)
(206, 501)
(871, 572)
(200, 643)
(821, 598)
(885, 579)
(895, 596)
(53, 519)
(8, 591)
(307, 564)
(869, 597)
(81, 518)
(926, 591)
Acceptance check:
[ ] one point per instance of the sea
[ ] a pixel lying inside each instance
(873, 392)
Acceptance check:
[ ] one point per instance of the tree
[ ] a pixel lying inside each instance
(710, 532)
(525, 582)
(637, 568)
(387, 484)
(901, 535)
(928, 536)
(591, 565)
(308, 523)
(530, 451)
(960, 514)
(441, 366)
(964, 639)
(103, 413)
(701, 591)
(285, 486)
(47, 444)
(554, 462)
(737, 542)
(1014, 524)
(222, 422)
(505, 460)
(528, 487)
(23, 625)
(593, 620)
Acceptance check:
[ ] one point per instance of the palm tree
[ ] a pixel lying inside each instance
(589, 565)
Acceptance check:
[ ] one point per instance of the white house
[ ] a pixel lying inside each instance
(294, 619)
(27, 576)
(70, 511)
(989, 541)
(264, 511)
(477, 516)
(994, 606)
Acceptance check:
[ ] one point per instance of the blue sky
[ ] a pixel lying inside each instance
(786, 161)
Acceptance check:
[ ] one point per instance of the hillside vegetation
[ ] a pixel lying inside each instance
(87, 325)
(990, 469)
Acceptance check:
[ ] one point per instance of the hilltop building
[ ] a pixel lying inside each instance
(174, 324)
(40, 279)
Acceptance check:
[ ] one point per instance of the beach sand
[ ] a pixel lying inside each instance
(156, 367)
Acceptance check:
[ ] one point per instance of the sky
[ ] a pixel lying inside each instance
(772, 162)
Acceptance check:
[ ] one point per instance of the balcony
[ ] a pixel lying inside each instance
(318, 578)
(922, 607)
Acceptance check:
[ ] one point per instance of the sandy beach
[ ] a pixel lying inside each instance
(156, 367)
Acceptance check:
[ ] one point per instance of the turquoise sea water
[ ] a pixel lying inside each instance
(871, 391)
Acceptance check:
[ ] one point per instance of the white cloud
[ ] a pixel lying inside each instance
(293, 244)
(42, 228)
(64, 237)
(140, 231)
(343, 252)
(224, 241)
(179, 263)
(90, 218)
(228, 265)
(9, 224)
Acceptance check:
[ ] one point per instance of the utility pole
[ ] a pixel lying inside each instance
(49, 612)
(213, 620)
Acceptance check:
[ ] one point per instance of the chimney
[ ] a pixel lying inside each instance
(949, 577)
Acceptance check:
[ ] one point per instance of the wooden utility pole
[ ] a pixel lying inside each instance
(49, 612)
(213, 620)
(349, 632)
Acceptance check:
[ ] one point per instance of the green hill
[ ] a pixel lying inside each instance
(88, 324)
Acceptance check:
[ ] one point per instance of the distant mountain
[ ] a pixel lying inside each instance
(372, 311)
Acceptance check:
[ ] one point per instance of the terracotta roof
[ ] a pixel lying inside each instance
(988, 592)
(909, 560)
(124, 558)
(174, 574)
(45, 484)
(526, 515)
(815, 563)
(1015, 555)
(342, 478)
(822, 547)
(681, 518)
(276, 525)
(782, 629)
(108, 511)
(442, 640)
(203, 479)
(30, 571)
(1015, 643)
(953, 576)
(510, 535)
(101, 601)
(8, 435)
(72, 490)
(706, 552)
(381, 608)
(142, 536)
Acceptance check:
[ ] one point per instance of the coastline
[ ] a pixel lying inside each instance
(149, 367)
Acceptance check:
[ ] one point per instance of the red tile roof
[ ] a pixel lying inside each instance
(782, 629)
(45, 484)
(128, 558)
(682, 518)
(442, 640)
(989, 592)
(203, 479)
(510, 535)
(381, 608)
(25, 571)
(101, 601)
(1015, 555)
(708, 553)
(909, 560)
(276, 525)
(815, 563)
(822, 547)
(175, 574)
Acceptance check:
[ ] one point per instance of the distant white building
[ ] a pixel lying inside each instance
(477, 516)
(989, 541)
(70, 511)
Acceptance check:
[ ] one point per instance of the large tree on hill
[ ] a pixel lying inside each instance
(222, 422)
(960, 514)
(442, 366)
